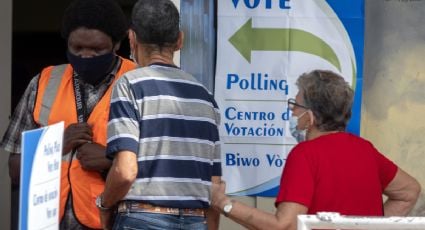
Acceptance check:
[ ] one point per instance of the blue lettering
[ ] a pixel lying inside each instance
(228, 128)
(270, 158)
(285, 115)
(227, 113)
(274, 160)
(231, 113)
(246, 161)
(236, 160)
(244, 84)
(231, 78)
(283, 5)
(235, 3)
(264, 131)
(257, 81)
(252, 4)
(230, 159)
(268, 4)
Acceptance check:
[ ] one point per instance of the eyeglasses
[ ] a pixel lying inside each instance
(292, 103)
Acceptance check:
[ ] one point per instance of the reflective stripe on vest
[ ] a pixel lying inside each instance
(56, 102)
(51, 90)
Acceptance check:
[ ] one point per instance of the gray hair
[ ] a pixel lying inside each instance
(156, 22)
(329, 97)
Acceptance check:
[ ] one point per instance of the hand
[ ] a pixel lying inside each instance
(106, 219)
(218, 196)
(75, 135)
(92, 157)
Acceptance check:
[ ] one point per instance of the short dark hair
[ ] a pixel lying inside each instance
(156, 22)
(104, 15)
(329, 97)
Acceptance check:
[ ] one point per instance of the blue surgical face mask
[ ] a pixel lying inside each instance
(93, 69)
(298, 134)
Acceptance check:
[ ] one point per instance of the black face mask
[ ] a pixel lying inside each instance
(91, 70)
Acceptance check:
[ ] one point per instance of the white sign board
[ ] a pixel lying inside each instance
(263, 47)
(40, 178)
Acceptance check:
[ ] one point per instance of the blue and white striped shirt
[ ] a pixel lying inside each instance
(170, 121)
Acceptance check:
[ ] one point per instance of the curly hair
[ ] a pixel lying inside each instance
(329, 97)
(156, 22)
(104, 15)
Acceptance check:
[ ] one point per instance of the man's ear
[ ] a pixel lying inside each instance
(132, 38)
(180, 40)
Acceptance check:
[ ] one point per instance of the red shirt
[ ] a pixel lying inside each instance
(337, 172)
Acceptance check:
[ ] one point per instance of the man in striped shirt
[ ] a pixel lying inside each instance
(162, 134)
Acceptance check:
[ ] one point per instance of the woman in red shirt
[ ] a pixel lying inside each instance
(329, 170)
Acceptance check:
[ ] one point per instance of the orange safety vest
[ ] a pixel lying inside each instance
(56, 102)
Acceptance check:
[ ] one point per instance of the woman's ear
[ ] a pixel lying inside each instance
(311, 118)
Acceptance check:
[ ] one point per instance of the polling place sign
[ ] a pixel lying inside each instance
(262, 48)
(40, 178)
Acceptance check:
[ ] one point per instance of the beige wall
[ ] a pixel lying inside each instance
(5, 95)
(394, 84)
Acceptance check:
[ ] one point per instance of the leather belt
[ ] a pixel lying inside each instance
(134, 206)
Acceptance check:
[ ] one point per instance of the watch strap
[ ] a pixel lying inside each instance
(99, 201)
(228, 208)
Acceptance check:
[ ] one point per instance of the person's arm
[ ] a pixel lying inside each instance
(402, 192)
(213, 216)
(120, 178)
(285, 217)
(21, 120)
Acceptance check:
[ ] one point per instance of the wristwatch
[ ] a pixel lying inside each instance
(99, 205)
(228, 208)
